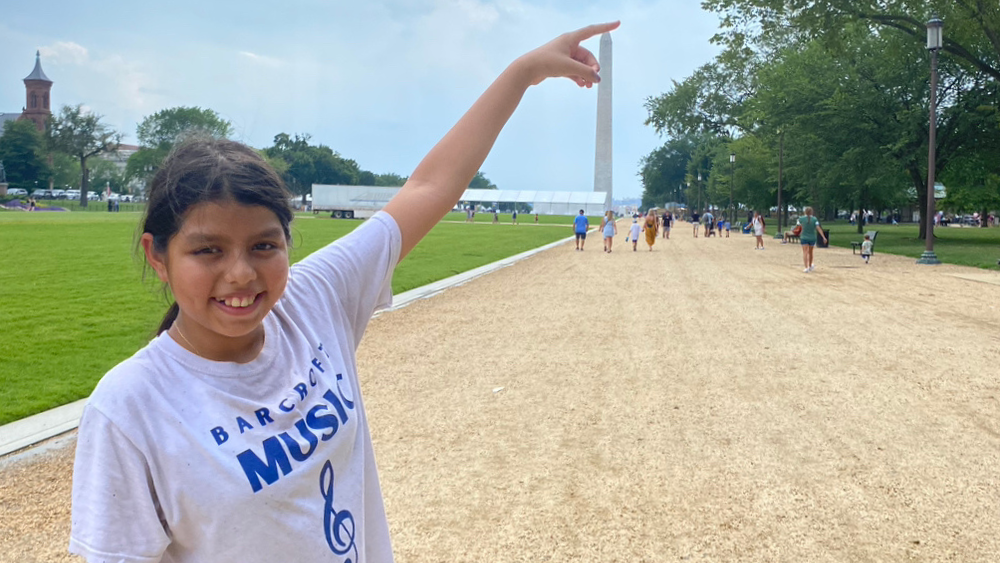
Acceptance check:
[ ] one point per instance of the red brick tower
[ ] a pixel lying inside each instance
(37, 86)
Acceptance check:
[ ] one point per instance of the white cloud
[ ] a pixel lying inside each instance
(263, 60)
(65, 52)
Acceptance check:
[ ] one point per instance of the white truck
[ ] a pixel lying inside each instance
(350, 202)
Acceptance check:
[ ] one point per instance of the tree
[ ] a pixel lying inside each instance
(390, 180)
(481, 182)
(159, 132)
(970, 65)
(65, 170)
(308, 164)
(664, 172)
(22, 152)
(973, 35)
(106, 173)
(81, 135)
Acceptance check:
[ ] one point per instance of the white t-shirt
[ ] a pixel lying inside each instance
(636, 229)
(182, 459)
(758, 227)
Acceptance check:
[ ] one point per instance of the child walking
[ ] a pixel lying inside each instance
(634, 232)
(239, 432)
(866, 248)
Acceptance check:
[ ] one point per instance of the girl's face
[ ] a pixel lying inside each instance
(227, 266)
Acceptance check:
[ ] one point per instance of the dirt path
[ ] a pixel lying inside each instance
(703, 402)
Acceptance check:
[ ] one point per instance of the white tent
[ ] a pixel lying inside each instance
(543, 202)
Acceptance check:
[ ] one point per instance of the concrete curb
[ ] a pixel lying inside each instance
(27, 432)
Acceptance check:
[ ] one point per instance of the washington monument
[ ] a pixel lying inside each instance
(602, 160)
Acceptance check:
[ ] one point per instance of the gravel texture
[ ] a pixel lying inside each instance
(700, 402)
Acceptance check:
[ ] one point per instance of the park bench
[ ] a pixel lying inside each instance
(855, 245)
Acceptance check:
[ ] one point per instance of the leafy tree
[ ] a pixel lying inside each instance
(481, 182)
(390, 180)
(166, 127)
(65, 170)
(313, 164)
(81, 135)
(894, 66)
(104, 173)
(159, 132)
(972, 37)
(664, 172)
(22, 152)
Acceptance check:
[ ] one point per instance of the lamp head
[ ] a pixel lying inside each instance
(935, 35)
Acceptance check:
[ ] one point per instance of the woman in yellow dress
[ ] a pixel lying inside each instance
(651, 227)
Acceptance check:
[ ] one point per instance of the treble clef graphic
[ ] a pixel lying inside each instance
(338, 525)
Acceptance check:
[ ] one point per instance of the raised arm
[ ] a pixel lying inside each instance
(444, 174)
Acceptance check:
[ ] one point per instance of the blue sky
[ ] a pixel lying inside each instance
(377, 81)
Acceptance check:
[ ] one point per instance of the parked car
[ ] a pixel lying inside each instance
(73, 194)
(93, 196)
(58, 194)
(41, 194)
(17, 191)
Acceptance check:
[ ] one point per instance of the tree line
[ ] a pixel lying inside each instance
(66, 153)
(833, 95)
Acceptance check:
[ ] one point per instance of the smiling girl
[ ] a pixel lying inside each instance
(239, 432)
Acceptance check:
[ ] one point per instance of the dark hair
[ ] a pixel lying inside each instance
(199, 170)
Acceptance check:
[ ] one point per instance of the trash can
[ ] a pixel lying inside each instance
(826, 234)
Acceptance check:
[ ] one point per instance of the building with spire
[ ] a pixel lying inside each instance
(37, 103)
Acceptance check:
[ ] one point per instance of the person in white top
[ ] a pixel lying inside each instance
(634, 231)
(758, 230)
(239, 433)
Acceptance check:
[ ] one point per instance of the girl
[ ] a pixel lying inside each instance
(758, 230)
(239, 433)
(610, 229)
(650, 227)
(810, 230)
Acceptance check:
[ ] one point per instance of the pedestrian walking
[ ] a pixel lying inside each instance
(650, 227)
(609, 229)
(665, 223)
(807, 238)
(757, 224)
(634, 231)
(580, 227)
(866, 248)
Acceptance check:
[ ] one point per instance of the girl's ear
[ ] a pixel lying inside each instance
(154, 258)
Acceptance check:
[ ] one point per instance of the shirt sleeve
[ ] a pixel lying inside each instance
(115, 515)
(353, 273)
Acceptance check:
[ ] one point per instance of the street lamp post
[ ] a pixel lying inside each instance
(699, 192)
(934, 42)
(781, 162)
(732, 180)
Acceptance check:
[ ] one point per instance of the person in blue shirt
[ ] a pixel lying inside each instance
(580, 227)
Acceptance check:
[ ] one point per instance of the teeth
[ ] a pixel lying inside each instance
(237, 302)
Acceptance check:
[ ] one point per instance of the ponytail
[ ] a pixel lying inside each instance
(168, 319)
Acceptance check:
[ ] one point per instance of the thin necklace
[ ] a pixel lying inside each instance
(195, 348)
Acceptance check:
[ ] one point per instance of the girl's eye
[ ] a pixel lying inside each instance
(206, 250)
(265, 246)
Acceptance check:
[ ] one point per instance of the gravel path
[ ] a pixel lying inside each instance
(701, 402)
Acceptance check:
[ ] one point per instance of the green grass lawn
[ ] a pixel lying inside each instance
(966, 246)
(73, 303)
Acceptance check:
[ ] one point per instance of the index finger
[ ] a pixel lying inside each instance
(585, 33)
